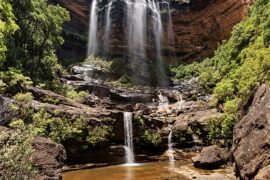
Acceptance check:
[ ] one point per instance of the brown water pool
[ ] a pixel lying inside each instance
(146, 171)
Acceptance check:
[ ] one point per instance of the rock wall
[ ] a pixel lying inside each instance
(251, 143)
(198, 28)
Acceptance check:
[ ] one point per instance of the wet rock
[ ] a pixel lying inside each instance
(6, 114)
(177, 154)
(199, 174)
(89, 72)
(191, 128)
(142, 108)
(48, 157)
(193, 118)
(131, 96)
(211, 157)
(251, 142)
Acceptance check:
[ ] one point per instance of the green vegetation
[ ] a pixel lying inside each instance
(151, 137)
(126, 80)
(32, 47)
(60, 128)
(15, 151)
(99, 134)
(23, 97)
(145, 131)
(238, 66)
(104, 64)
(77, 96)
(183, 72)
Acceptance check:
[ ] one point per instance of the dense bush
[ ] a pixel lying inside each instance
(15, 152)
(7, 27)
(77, 96)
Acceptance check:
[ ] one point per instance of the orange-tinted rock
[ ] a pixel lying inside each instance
(198, 28)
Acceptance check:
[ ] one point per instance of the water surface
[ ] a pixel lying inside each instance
(146, 171)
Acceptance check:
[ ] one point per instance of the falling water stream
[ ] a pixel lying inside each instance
(143, 21)
(92, 36)
(130, 160)
(170, 145)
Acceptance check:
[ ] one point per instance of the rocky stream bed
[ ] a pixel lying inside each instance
(181, 106)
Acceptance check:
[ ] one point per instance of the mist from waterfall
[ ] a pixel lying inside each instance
(144, 22)
(128, 129)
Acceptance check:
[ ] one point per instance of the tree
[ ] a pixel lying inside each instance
(7, 27)
(32, 48)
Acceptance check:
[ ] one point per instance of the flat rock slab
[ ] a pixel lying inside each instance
(192, 173)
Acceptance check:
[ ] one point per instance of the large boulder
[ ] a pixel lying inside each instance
(48, 157)
(211, 157)
(191, 128)
(251, 138)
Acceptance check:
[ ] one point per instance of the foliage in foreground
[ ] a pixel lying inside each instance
(15, 152)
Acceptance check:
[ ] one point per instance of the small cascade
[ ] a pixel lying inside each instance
(181, 102)
(128, 138)
(170, 145)
(163, 103)
(162, 99)
(170, 151)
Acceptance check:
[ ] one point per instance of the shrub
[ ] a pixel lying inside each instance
(23, 97)
(126, 80)
(14, 81)
(105, 64)
(99, 134)
(77, 96)
(151, 137)
(183, 72)
(15, 151)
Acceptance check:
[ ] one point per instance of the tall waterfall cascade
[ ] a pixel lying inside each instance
(128, 128)
(144, 20)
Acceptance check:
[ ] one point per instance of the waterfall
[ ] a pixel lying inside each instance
(108, 27)
(170, 145)
(158, 36)
(128, 138)
(93, 39)
(170, 27)
(137, 30)
(144, 26)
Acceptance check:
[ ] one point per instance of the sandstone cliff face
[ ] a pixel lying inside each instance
(251, 144)
(198, 28)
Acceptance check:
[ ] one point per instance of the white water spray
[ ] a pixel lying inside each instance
(128, 138)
